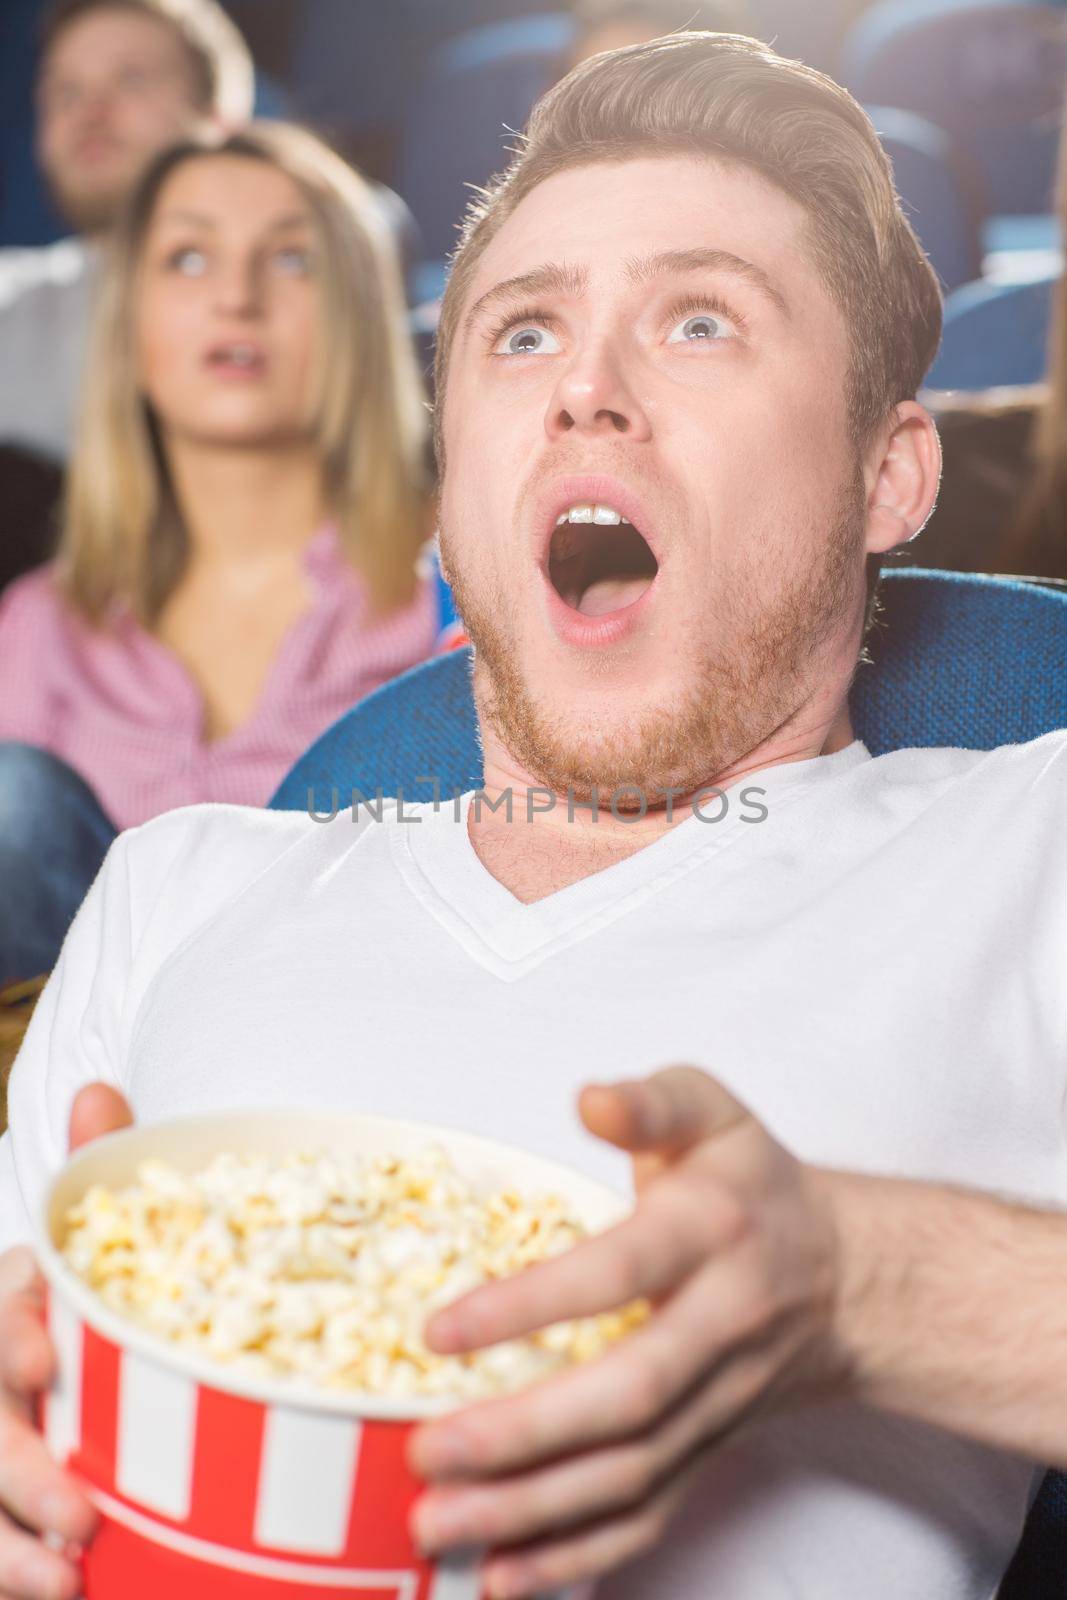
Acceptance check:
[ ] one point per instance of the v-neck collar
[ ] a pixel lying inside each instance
(439, 863)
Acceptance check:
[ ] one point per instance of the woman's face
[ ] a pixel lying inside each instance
(228, 305)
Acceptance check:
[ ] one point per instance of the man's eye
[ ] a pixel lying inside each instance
(189, 262)
(702, 328)
(529, 340)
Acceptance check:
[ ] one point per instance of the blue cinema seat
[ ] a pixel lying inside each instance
(990, 72)
(995, 333)
(957, 659)
(478, 89)
(938, 192)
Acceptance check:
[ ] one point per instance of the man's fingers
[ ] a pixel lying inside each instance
(589, 1483)
(677, 1227)
(36, 1491)
(27, 1360)
(29, 1570)
(556, 1563)
(26, 1357)
(19, 1270)
(33, 1489)
(592, 1483)
(514, 1510)
(719, 1328)
(97, 1109)
(619, 1394)
(568, 1491)
(666, 1112)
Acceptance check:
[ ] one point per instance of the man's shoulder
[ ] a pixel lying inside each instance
(1017, 758)
(42, 270)
(217, 848)
(1037, 767)
(183, 870)
(230, 840)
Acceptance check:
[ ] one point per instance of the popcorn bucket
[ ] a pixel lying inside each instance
(220, 1484)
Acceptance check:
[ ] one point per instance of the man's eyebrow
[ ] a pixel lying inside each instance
(551, 278)
(668, 262)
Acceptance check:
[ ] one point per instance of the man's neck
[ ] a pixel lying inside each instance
(535, 842)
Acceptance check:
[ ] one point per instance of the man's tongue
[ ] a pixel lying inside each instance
(611, 594)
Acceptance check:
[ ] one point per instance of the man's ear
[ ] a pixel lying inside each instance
(902, 474)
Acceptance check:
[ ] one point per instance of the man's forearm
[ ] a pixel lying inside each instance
(953, 1309)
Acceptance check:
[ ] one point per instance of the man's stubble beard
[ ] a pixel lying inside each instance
(741, 696)
(92, 211)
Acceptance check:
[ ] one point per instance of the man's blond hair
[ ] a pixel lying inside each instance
(733, 99)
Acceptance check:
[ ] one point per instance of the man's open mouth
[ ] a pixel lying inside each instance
(598, 562)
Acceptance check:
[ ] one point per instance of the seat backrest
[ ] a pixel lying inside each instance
(995, 333)
(956, 659)
(990, 72)
(477, 92)
(939, 193)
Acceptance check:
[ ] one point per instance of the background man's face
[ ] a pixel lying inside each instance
(708, 397)
(115, 88)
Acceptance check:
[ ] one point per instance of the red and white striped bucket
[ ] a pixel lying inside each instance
(224, 1487)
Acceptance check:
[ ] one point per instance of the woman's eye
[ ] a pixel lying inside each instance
(703, 328)
(528, 341)
(189, 262)
(293, 262)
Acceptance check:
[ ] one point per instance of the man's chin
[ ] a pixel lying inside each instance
(648, 745)
(91, 207)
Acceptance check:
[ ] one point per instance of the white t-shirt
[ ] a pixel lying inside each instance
(46, 300)
(876, 968)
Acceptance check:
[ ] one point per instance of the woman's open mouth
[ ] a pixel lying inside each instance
(598, 562)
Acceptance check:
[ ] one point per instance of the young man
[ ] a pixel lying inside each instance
(677, 367)
(118, 80)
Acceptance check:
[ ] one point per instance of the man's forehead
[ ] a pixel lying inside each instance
(120, 32)
(602, 218)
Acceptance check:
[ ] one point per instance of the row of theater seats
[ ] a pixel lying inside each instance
(967, 95)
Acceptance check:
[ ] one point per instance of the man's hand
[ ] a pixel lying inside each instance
(36, 1496)
(736, 1245)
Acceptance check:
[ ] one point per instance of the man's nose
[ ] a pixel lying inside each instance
(596, 396)
(95, 106)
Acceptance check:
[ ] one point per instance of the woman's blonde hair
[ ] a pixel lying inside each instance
(123, 538)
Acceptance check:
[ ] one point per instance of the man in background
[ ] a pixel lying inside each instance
(118, 80)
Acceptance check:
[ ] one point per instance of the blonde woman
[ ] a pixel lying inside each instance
(247, 499)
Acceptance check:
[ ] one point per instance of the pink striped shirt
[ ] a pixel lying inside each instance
(126, 714)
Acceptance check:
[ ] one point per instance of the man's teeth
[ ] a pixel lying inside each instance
(243, 355)
(606, 516)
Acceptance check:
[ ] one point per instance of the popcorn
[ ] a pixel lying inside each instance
(324, 1273)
